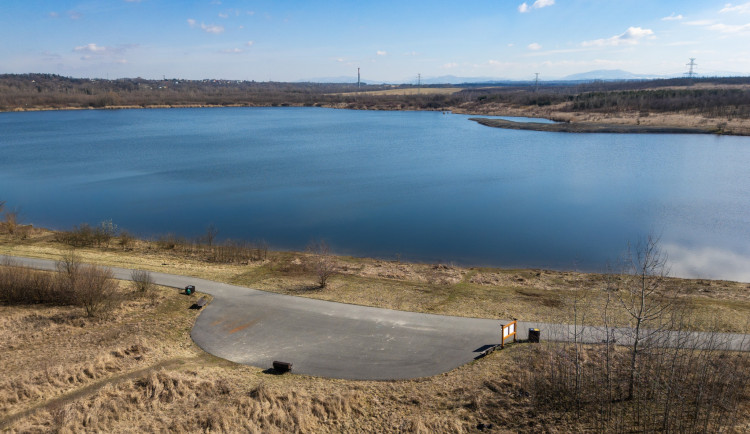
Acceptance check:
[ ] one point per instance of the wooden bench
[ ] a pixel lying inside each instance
(200, 303)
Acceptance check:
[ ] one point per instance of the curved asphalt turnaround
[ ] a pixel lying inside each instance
(339, 340)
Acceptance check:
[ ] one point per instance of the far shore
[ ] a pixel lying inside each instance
(572, 122)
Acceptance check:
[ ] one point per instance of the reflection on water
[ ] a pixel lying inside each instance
(707, 263)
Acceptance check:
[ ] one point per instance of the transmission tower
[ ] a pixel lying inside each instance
(357, 79)
(536, 82)
(692, 64)
(419, 83)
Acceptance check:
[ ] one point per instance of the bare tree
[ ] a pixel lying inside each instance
(642, 294)
(211, 232)
(323, 261)
(68, 266)
(104, 233)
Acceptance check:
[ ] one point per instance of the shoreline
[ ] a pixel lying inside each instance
(573, 122)
(586, 127)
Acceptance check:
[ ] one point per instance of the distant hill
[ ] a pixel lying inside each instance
(610, 74)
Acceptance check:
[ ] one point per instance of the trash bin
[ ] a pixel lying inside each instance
(189, 289)
(534, 335)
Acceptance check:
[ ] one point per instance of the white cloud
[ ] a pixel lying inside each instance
(497, 63)
(212, 28)
(673, 17)
(631, 36)
(728, 28)
(721, 27)
(740, 9)
(90, 51)
(75, 15)
(206, 28)
(534, 46)
(449, 65)
(381, 53)
(91, 48)
(223, 15)
(233, 51)
(54, 15)
(538, 4)
(700, 22)
(249, 43)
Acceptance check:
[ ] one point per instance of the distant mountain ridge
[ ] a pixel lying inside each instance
(612, 74)
(600, 74)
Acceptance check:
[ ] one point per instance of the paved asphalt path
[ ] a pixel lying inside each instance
(339, 340)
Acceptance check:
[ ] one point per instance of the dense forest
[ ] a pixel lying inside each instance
(713, 97)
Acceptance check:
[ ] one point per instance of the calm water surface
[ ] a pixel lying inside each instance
(421, 185)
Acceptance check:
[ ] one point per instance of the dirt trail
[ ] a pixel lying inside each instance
(92, 389)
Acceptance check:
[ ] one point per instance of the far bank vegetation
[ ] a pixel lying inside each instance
(726, 99)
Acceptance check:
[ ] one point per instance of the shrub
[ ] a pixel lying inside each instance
(142, 281)
(322, 261)
(74, 284)
(96, 290)
(80, 236)
(126, 240)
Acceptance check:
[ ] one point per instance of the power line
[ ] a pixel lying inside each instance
(692, 64)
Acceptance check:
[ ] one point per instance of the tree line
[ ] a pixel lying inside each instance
(713, 98)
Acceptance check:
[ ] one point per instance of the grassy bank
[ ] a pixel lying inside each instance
(138, 370)
(529, 295)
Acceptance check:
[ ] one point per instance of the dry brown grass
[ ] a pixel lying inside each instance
(558, 113)
(529, 295)
(138, 370)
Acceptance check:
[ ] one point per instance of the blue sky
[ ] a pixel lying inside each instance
(389, 40)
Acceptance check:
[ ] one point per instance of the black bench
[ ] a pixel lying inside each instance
(200, 303)
(282, 367)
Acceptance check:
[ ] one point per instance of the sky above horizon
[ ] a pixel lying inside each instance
(390, 41)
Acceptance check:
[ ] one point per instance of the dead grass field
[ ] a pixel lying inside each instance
(736, 126)
(138, 370)
(528, 295)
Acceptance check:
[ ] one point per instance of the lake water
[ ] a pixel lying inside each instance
(422, 186)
